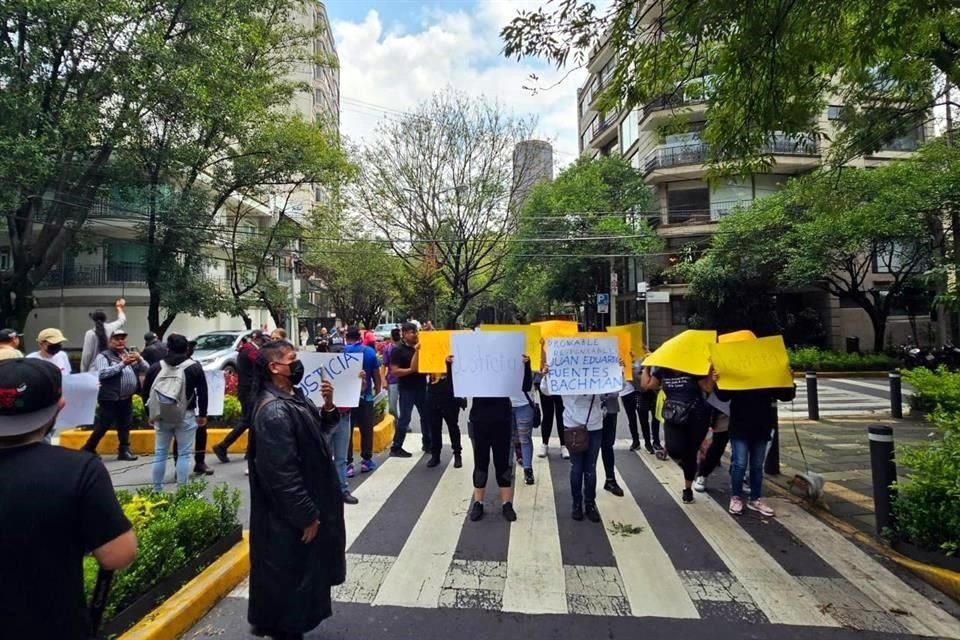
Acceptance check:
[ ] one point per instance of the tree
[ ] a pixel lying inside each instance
(594, 208)
(440, 184)
(770, 69)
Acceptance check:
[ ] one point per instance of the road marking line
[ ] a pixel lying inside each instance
(782, 598)
(374, 493)
(535, 575)
(417, 577)
(876, 582)
(652, 585)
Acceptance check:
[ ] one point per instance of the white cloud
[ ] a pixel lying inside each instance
(384, 67)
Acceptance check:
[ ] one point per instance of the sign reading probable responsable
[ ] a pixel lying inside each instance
(583, 366)
(342, 370)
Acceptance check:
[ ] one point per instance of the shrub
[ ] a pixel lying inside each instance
(380, 410)
(934, 389)
(813, 359)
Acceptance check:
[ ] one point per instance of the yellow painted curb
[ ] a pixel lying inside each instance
(188, 605)
(945, 580)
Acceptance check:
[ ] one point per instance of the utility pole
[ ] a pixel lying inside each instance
(614, 286)
(944, 327)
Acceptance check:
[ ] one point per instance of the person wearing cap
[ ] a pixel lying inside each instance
(119, 371)
(95, 340)
(9, 344)
(153, 348)
(247, 354)
(50, 342)
(56, 506)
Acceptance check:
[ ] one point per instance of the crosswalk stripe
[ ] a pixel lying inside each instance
(652, 585)
(374, 492)
(416, 578)
(869, 576)
(535, 575)
(778, 594)
(876, 386)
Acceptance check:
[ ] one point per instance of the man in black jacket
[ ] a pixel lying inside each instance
(297, 530)
(153, 349)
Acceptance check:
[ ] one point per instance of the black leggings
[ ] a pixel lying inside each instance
(630, 408)
(683, 443)
(440, 411)
(494, 436)
(647, 408)
(717, 446)
(606, 444)
(552, 407)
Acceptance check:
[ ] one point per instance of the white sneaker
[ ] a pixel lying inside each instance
(700, 484)
(564, 453)
(542, 450)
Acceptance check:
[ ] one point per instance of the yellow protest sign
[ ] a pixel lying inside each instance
(688, 352)
(434, 349)
(736, 336)
(557, 328)
(532, 332)
(623, 348)
(754, 364)
(635, 331)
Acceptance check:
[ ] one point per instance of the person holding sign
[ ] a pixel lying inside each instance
(444, 407)
(412, 387)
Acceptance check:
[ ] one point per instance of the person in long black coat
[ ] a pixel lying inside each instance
(297, 531)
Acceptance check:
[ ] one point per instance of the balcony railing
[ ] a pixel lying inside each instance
(109, 275)
(599, 126)
(784, 145)
(718, 209)
(666, 157)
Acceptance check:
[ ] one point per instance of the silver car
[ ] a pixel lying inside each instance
(217, 350)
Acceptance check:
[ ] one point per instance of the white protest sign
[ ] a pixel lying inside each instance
(487, 364)
(216, 392)
(583, 366)
(80, 400)
(342, 370)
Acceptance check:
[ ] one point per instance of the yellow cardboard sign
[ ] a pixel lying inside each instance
(737, 336)
(557, 328)
(434, 349)
(635, 331)
(754, 364)
(623, 349)
(688, 352)
(533, 339)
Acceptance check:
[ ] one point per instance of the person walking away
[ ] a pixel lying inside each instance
(552, 407)
(154, 350)
(176, 392)
(322, 342)
(647, 409)
(628, 397)
(95, 340)
(611, 413)
(752, 419)
(364, 413)
(9, 344)
(523, 414)
(720, 424)
(119, 371)
(56, 506)
(412, 387)
(246, 359)
(50, 343)
(393, 386)
(337, 340)
(686, 417)
(444, 407)
(297, 529)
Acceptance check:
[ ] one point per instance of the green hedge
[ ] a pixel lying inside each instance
(934, 389)
(172, 529)
(813, 359)
(231, 412)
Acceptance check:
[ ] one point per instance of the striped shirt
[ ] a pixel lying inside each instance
(118, 381)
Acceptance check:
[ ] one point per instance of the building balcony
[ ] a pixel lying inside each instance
(667, 161)
(660, 109)
(684, 222)
(111, 275)
(792, 154)
(603, 131)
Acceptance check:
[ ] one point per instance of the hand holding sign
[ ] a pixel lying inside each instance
(688, 352)
(752, 364)
(583, 366)
(344, 371)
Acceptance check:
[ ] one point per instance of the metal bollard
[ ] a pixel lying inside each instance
(771, 465)
(813, 402)
(896, 395)
(884, 471)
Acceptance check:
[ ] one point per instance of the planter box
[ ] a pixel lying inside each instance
(934, 558)
(168, 586)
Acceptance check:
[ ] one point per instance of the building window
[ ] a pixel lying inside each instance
(629, 131)
(687, 201)
(679, 312)
(893, 257)
(835, 112)
(910, 141)
(4, 259)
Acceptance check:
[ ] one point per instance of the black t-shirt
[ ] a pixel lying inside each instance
(678, 386)
(402, 357)
(56, 506)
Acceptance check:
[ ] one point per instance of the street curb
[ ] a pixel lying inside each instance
(945, 580)
(188, 605)
(844, 374)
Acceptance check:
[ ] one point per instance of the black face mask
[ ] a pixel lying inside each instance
(296, 372)
(54, 349)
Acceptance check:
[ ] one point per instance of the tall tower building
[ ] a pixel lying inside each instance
(532, 163)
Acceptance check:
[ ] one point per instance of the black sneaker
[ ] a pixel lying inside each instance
(398, 452)
(476, 511)
(433, 461)
(457, 461)
(687, 496)
(221, 452)
(648, 448)
(613, 487)
(125, 456)
(348, 498)
(528, 476)
(635, 445)
(201, 469)
(577, 514)
(508, 513)
(592, 514)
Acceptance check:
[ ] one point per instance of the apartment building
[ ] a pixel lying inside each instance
(688, 208)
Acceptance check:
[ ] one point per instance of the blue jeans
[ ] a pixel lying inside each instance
(523, 432)
(340, 439)
(393, 399)
(740, 451)
(185, 432)
(583, 472)
(410, 398)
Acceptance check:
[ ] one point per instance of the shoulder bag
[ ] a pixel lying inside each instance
(577, 437)
(537, 414)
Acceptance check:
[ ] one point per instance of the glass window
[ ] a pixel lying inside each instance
(767, 184)
(910, 141)
(629, 131)
(835, 112)
(126, 253)
(4, 259)
(215, 341)
(686, 203)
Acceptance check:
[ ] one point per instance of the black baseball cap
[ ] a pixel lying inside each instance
(149, 336)
(409, 326)
(30, 389)
(6, 335)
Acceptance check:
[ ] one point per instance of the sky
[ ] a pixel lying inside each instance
(395, 53)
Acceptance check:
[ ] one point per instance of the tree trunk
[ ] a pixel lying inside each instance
(15, 306)
(879, 321)
(247, 320)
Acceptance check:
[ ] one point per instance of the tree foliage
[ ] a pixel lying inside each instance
(771, 67)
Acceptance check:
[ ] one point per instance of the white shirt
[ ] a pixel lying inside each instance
(583, 410)
(61, 359)
(520, 400)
